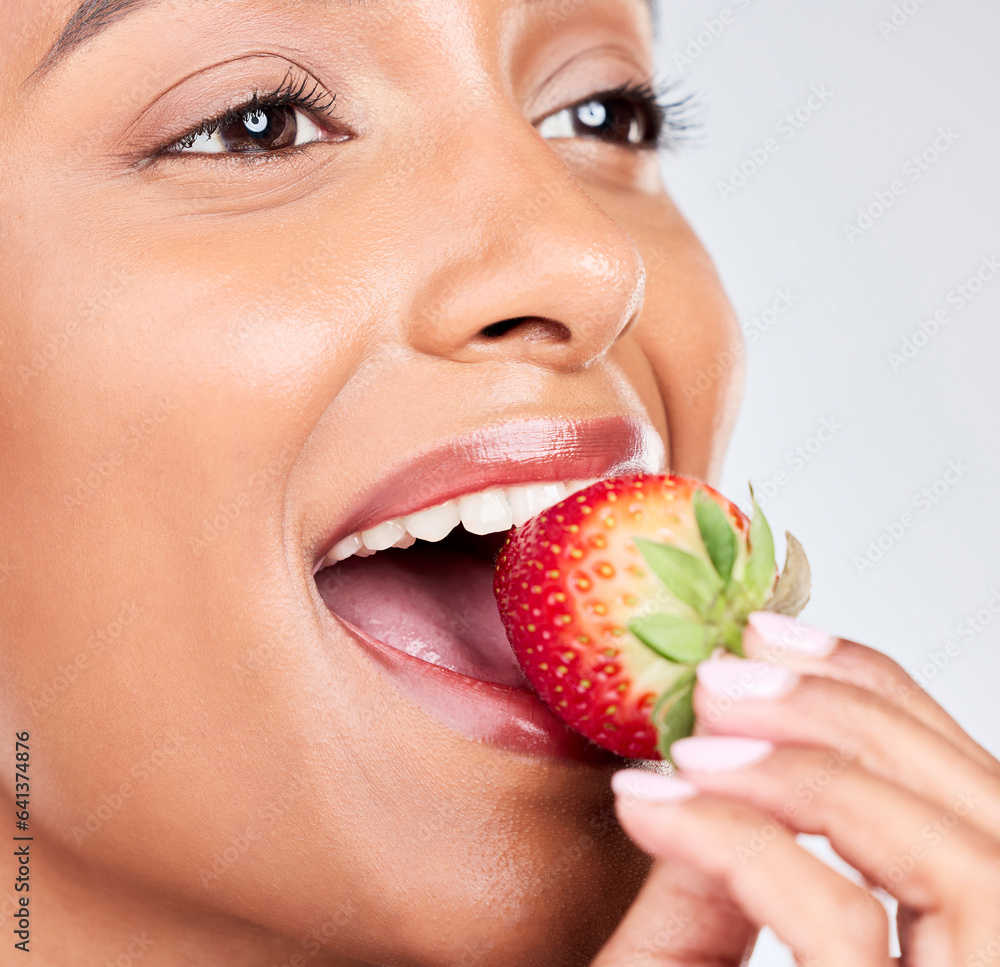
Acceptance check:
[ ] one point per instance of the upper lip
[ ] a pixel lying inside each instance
(503, 454)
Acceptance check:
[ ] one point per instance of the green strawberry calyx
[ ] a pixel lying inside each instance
(716, 597)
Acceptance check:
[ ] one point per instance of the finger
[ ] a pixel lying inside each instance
(928, 859)
(780, 639)
(746, 698)
(826, 920)
(680, 918)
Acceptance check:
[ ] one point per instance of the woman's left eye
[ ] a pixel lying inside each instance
(631, 119)
(254, 130)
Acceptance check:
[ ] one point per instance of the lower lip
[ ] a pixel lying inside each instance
(509, 718)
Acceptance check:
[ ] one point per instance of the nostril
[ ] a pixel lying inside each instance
(529, 328)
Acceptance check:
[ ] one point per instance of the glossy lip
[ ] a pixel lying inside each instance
(525, 451)
(505, 454)
(510, 718)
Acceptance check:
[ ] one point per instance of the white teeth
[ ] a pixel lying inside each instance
(532, 499)
(435, 523)
(383, 535)
(486, 512)
(343, 550)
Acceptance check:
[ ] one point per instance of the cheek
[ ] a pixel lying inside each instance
(685, 355)
(637, 367)
(693, 343)
(155, 633)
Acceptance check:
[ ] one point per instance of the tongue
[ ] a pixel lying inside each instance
(435, 605)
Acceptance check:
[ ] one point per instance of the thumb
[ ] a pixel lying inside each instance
(679, 919)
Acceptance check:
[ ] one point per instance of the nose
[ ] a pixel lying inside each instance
(524, 265)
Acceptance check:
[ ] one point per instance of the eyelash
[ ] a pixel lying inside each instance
(669, 120)
(315, 100)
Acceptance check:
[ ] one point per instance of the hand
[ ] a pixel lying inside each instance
(820, 735)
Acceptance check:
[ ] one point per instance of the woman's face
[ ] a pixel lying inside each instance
(217, 364)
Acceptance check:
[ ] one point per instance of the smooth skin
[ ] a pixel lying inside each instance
(214, 780)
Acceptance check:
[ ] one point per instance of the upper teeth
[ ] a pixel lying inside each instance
(485, 512)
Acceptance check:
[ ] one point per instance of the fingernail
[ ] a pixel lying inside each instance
(718, 753)
(639, 785)
(783, 633)
(736, 678)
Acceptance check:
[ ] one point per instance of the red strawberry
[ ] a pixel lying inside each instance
(612, 597)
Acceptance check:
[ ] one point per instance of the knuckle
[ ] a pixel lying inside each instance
(827, 701)
(864, 921)
(845, 716)
(878, 672)
(982, 869)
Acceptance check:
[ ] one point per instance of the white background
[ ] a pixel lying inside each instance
(897, 423)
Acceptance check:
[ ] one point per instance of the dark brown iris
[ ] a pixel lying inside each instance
(263, 129)
(614, 119)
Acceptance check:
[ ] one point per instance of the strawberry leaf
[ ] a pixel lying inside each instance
(759, 574)
(717, 533)
(673, 714)
(685, 576)
(675, 638)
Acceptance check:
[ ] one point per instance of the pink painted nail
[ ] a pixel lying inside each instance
(737, 679)
(638, 785)
(786, 635)
(718, 753)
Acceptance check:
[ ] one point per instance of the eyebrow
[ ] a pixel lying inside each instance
(90, 18)
(94, 16)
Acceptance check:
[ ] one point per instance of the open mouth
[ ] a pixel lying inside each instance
(423, 584)
(411, 582)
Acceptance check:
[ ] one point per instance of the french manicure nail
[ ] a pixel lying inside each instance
(637, 784)
(718, 753)
(784, 634)
(737, 678)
